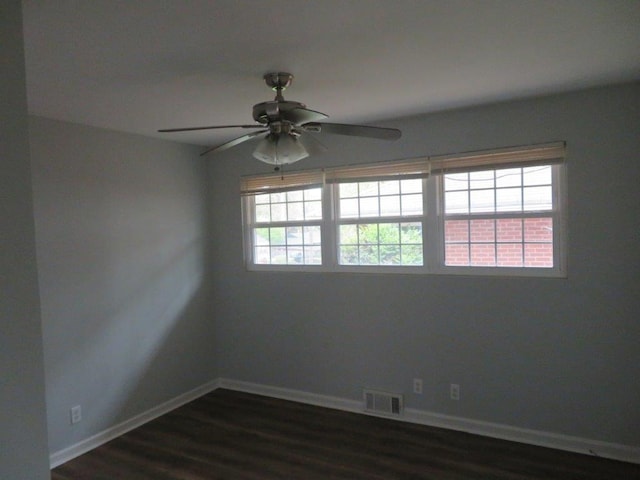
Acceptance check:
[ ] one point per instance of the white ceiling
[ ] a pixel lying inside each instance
(141, 65)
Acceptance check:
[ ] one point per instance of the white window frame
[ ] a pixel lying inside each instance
(431, 170)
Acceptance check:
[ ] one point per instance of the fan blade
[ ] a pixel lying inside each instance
(299, 115)
(311, 144)
(189, 129)
(233, 143)
(353, 130)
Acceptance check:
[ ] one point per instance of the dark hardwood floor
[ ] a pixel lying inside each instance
(238, 436)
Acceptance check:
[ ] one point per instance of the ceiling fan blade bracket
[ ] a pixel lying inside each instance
(312, 127)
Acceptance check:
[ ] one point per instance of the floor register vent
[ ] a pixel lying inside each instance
(382, 403)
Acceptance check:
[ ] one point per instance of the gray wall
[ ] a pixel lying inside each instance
(138, 253)
(557, 355)
(23, 435)
(122, 235)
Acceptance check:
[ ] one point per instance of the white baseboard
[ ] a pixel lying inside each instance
(69, 453)
(336, 403)
(625, 453)
(539, 438)
(612, 451)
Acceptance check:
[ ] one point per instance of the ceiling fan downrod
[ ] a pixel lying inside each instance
(278, 81)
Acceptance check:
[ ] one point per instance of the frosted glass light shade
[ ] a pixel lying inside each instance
(280, 150)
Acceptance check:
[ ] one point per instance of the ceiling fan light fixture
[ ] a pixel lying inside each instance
(286, 121)
(280, 150)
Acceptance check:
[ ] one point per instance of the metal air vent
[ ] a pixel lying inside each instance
(382, 403)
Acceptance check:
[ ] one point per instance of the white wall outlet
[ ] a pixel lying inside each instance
(417, 386)
(76, 414)
(454, 391)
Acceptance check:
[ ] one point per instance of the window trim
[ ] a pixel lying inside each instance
(431, 170)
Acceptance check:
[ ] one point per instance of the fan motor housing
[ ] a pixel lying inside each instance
(266, 112)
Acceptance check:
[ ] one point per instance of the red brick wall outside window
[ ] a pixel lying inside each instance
(508, 242)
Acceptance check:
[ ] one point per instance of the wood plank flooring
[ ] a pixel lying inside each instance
(238, 436)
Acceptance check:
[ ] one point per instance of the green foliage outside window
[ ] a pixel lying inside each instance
(381, 244)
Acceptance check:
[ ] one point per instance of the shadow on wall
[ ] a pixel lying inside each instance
(121, 232)
(149, 345)
(119, 349)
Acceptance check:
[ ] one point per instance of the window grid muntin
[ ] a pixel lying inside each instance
(310, 251)
(525, 243)
(548, 212)
(266, 203)
(405, 190)
(457, 184)
(288, 240)
(406, 249)
(371, 191)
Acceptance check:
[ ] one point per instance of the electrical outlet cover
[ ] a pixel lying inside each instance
(455, 391)
(417, 386)
(76, 414)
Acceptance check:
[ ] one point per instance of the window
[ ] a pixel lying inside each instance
(500, 212)
(285, 218)
(380, 222)
(499, 218)
(287, 228)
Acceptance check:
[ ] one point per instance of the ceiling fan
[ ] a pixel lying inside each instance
(282, 126)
